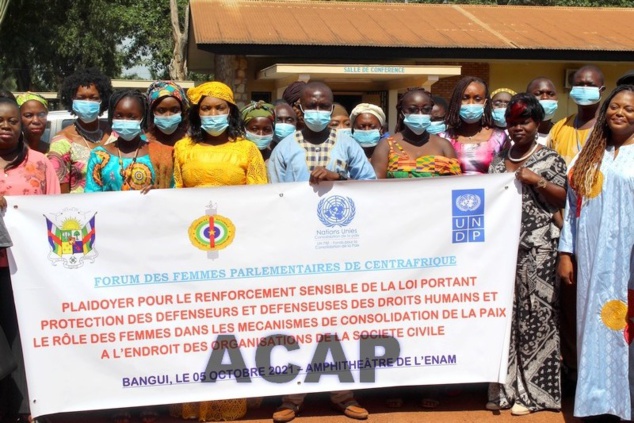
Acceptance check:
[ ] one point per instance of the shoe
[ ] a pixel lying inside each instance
(519, 410)
(286, 412)
(494, 406)
(352, 409)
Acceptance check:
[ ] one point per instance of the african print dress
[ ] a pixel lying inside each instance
(533, 377)
(401, 165)
(107, 172)
(599, 231)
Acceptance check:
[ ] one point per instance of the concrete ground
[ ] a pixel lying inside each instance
(467, 406)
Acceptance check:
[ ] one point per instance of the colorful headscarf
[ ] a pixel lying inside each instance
(503, 90)
(211, 89)
(293, 92)
(160, 89)
(259, 109)
(368, 108)
(28, 96)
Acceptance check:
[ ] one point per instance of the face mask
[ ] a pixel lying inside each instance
(437, 127)
(498, 117)
(368, 138)
(262, 141)
(417, 123)
(471, 113)
(167, 124)
(346, 131)
(86, 111)
(214, 125)
(317, 120)
(283, 130)
(550, 107)
(585, 96)
(127, 129)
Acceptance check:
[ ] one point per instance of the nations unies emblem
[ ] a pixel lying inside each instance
(212, 232)
(71, 236)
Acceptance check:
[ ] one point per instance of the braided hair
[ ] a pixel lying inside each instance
(86, 78)
(452, 118)
(119, 95)
(399, 105)
(585, 173)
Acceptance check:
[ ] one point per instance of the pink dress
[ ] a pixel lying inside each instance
(475, 158)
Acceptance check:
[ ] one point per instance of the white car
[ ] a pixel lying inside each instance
(60, 119)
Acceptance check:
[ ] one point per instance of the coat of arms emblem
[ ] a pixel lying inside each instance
(71, 236)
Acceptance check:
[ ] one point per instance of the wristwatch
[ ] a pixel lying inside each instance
(542, 183)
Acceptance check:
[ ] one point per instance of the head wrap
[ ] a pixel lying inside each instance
(211, 89)
(28, 96)
(503, 90)
(339, 110)
(259, 109)
(293, 92)
(160, 89)
(368, 108)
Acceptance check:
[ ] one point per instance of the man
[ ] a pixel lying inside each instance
(570, 134)
(318, 153)
(545, 91)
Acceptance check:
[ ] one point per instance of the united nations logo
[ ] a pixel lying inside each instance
(212, 232)
(336, 211)
(468, 202)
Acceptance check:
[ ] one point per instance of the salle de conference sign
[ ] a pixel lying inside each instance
(199, 294)
(374, 69)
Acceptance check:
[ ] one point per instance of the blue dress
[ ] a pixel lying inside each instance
(600, 233)
(108, 172)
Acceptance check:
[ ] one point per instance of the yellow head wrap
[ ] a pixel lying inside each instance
(28, 96)
(503, 90)
(211, 89)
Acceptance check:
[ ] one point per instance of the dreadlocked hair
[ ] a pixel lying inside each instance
(452, 119)
(119, 95)
(399, 105)
(585, 170)
(86, 78)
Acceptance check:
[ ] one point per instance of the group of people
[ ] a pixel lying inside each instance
(575, 252)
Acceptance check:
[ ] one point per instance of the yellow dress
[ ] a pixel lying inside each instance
(236, 162)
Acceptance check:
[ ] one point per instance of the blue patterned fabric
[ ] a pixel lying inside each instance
(601, 236)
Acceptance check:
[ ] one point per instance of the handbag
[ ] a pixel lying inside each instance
(7, 360)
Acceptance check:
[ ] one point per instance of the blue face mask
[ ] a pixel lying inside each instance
(127, 129)
(262, 141)
(283, 130)
(437, 127)
(417, 123)
(585, 96)
(471, 113)
(168, 124)
(317, 120)
(550, 107)
(87, 111)
(368, 138)
(214, 125)
(498, 117)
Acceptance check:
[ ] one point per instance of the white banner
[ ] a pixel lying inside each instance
(128, 300)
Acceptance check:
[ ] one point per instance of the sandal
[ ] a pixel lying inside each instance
(286, 412)
(429, 403)
(394, 402)
(352, 409)
(121, 417)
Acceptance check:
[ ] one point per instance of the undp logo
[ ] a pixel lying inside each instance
(467, 215)
(336, 211)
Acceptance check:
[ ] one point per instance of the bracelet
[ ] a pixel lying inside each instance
(542, 183)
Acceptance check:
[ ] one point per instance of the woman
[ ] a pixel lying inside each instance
(34, 110)
(258, 120)
(412, 152)
(438, 113)
(215, 152)
(500, 99)
(367, 122)
(291, 95)
(545, 91)
(123, 162)
(532, 381)
(285, 122)
(598, 236)
(471, 129)
(167, 120)
(85, 93)
(26, 172)
(340, 119)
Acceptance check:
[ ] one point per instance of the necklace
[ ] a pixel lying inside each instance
(126, 173)
(524, 157)
(92, 136)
